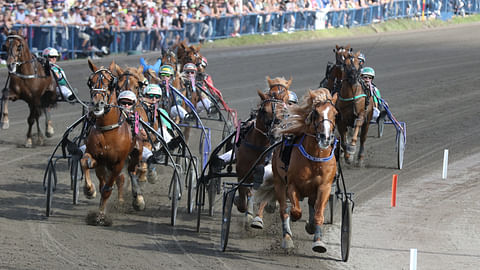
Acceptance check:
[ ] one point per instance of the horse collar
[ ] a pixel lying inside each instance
(302, 150)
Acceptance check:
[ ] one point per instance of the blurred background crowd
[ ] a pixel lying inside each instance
(96, 21)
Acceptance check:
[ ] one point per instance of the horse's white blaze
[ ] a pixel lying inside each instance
(326, 124)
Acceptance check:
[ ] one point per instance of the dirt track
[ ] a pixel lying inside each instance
(430, 79)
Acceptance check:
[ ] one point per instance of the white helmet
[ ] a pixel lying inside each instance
(50, 52)
(152, 89)
(128, 95)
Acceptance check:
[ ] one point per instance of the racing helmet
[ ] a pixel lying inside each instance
(292, 97)
(50, 52)
(127, 95)
(189, 67)
(166, 70)
(361, 58)
(204, 62)
(152, 89)
(368, 71)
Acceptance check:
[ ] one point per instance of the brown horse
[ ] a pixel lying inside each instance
(259, 135)
(109, 144)
(356, 107)
(335, 73)
(132, 79)
(30, 80)
(312, 165)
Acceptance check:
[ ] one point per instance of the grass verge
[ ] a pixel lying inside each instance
(388, 26)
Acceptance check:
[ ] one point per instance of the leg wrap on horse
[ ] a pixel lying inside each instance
(318, 233)
(249, 206)
(286, 226)
(106, 188)
(359, 121)
(311, 214)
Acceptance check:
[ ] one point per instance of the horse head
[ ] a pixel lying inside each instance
(272, 111)
(321, 120)
(192, 55)
(170, 58)
(130, 79)
(340, 54)
(352, 68)
(278, 88)
(17, 50)
(102, 84)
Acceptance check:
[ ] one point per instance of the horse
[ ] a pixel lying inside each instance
(356, 108)
(30, 80)
(258, 135)
(109, 144)
(312, 165)
(132, 79)
(334, 74)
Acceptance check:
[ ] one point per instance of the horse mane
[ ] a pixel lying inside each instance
(299, 114)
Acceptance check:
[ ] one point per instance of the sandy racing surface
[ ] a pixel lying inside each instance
(430, 80)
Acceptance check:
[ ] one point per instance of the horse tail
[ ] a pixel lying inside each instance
(49, 96)
(266, 192)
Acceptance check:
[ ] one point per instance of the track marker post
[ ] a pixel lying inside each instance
(394, 190)
(413, 259)
(445, 164)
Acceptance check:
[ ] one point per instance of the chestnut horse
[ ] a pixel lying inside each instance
(109, 144)
(356, 107)
(259, 135)
(30, 80)
(132, 79)
(312, 165)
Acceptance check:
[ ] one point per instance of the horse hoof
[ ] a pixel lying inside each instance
(310, 228)
(28, 143)
(49, 133)
(257, 223)
(5, 125)
(139, 203)
(152, 176)
(319, 246)
(88, 193)
(287, 243)
(241, 206)
(98, 219)
(351, 149)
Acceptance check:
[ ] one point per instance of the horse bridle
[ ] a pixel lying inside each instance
(313, 115)
(98, 87)
(352, 73)
(269, 123)
(17, 56)
(125, 86)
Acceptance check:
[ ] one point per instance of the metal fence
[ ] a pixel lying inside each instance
(70, 40)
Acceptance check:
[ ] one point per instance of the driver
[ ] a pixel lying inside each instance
(368, 74)
(63, 89)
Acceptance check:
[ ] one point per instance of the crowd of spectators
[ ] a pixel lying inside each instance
(96, 18)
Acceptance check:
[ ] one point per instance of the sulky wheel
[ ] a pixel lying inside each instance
(191, 186)
(346, 228)
(400, 150)
(228, 198)
(174, 196)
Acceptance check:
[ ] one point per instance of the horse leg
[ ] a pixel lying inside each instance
(363, 138)
(280, 194)
(30, 121)
(310, 225)
(40, 139)
(106, 188)
(138, 199)
(87, 162)
(323, 194)
(120, 182)
(5, 122)
(241, 200)
(48, 123)
(296, 210)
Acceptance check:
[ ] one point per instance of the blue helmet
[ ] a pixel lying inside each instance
(292, 97)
